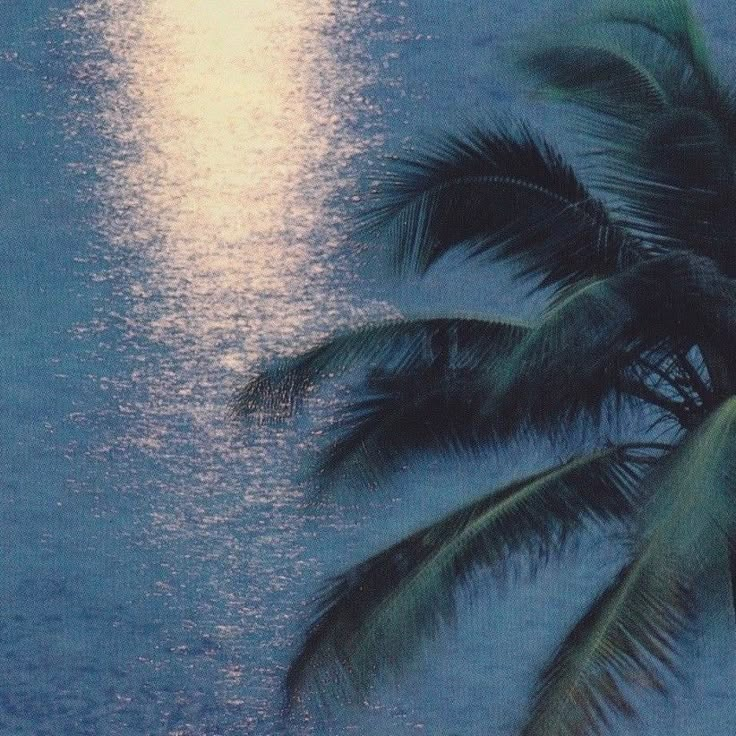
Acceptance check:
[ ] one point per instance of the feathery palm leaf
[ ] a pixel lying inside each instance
(505, 194)
(630, 635)
(666, 124)
(655, 45)
(538, 383)
(393, 345)
(376, 615)
(600, 76)
(462, 385)
(580, 351)
(534, 385)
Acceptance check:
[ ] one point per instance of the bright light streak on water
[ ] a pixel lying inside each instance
(222, 149)
(173, 214)
(224, 155)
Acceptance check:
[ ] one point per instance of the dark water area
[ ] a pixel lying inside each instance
(176, 178)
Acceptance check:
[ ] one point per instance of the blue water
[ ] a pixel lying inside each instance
(172, 213)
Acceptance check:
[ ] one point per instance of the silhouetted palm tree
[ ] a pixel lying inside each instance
(641, 314)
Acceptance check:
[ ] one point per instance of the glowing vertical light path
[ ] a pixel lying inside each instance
(224, 136)
(220, 133)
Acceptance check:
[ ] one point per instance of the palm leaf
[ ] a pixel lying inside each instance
(672, 20)
(656, 47)
(377, 614)
(598, 346)
(429, 408)
(393, 345)
(598, 76)
(666, 125)
(505, 194)
(631, 634)
(567, 366)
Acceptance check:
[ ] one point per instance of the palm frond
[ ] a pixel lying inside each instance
(374, 616)
(429, 408)
(665, 123)
(630, 636)
(656, 46)
(672, 20)
(577, 355)
(392, 346)
(603, 78)
(504, 194)
(601, 344)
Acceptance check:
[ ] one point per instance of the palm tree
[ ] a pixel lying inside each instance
(637, 268)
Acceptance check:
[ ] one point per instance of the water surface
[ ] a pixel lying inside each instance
(177, 178)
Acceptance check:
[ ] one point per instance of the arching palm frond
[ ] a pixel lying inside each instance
(631, 634)
(571, 366)
(656, 46)
(374, 616)
(627, 337)
(392, 345)
(466, 385)
(672, 20)
(666, 125)
(581, 350)
(504, 194)
(599, 76)
(428, 408)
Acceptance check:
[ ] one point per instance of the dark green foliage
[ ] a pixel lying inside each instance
(638, 266)
(632, 632)
(665, 124)
(392, 346)
(376, 614)
(505, 194)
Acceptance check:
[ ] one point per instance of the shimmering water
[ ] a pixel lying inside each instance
(176, 180)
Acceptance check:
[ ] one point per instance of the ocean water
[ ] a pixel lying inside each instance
(177, 178)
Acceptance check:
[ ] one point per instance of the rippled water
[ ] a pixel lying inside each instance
(178, 174)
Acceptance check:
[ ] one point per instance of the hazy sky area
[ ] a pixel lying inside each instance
(176, 182)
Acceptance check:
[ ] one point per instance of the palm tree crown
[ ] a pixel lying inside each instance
(637, 267)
